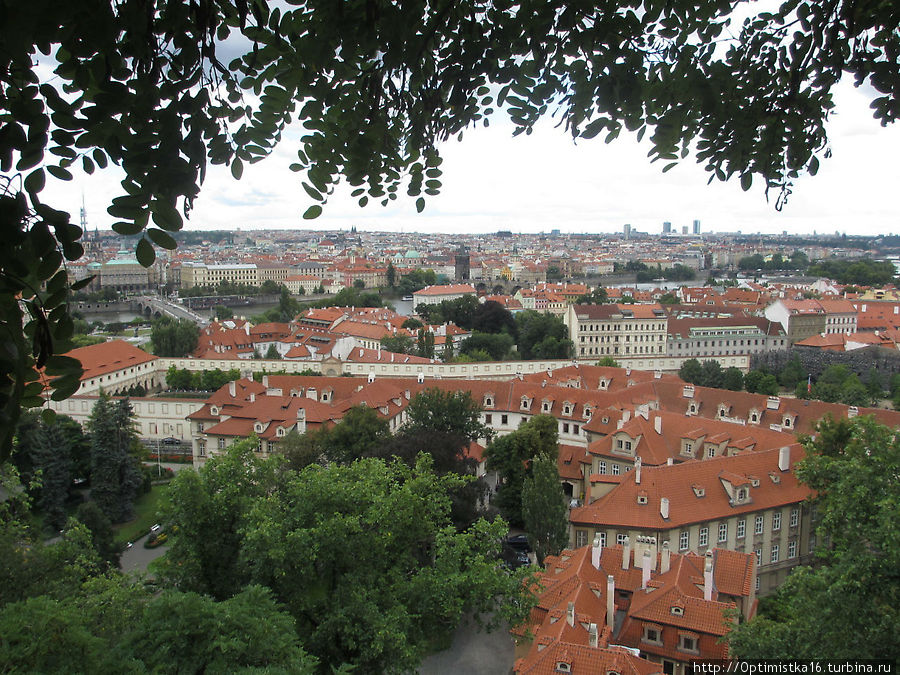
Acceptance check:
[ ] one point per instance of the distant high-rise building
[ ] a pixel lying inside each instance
(462, 264)
(696, 227)
(684, 229)
(667, 227)
(627, 231)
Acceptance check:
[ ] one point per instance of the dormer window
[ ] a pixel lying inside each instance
(213, 410)
(588, 412)
(754, 417)
(258, 427)
(563, 667)
(567, 408)
(675, 610)
(604, 384)
(605, 420)
(642, 499)
(787, 422)
(279, 431)
(526, 403)
(740, 495)
(692, 409)
(775, 478)
(545, 405)
(488, 400)
(699, 490)
(723, 410)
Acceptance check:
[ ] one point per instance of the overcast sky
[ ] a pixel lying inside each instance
(544, 181)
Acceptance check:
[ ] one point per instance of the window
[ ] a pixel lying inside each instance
(602, 536)
(795, 517)
(565, 427)
(563, 667)
(652, 634)
(741, 494)
(723, 532)
(774, 556)
(792, 549)
(620, 539)
(758, 525)
(757, 583)
(741, 528)
(758, 553)
(615, 469)
(776, 521)
(601, 466)
(683, 540)
(504, 420)
(704, 536)
(488, 419)
(580, 538)
(221, 444)
(687, 643)
(201, 448)
(711, 452)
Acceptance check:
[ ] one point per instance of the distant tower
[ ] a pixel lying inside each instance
(667, 227)
(696, 227)
(626, 230)
(684, 229)
(461, 263)
(83, 216)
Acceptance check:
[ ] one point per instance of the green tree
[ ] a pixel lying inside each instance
(53, 458)
(207, 510)
(359, 283)
(608, 362)
(711, 374)
(854, 392)
(450, 412)
(222, 312)
(691, 371)
(400, 344)
(171, 337)
(753, 380)
(543, 336)
(366, 560)
(598, 296)
(668, 299)
(425, 344)
(102, 535)
(792, 374)
(301, 450)
(115, 477)
(492, 317)
(497, 345)
(851, 467)
(544, 511)
(360, 433)
(875, 384)
(391, 275)
(180, 380)
(511, 456)
(272, 353)
(733, 379)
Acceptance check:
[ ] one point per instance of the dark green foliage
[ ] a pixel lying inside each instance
(400, 344)
(492, 317)
(608, 361)
(450, 412)
(711, 374)
(272, 353)
(598, 296)
(497, 345)
(460, 311)
(862, 272)
(510, 456)
(223, 312)
(733, 379)
(852, 467)
(102, 535)
(797, 261)
(691, 371)
(349, 297)
(171, 337)
(416, 281)
(792, 374)
(425, 344)
(200, 380)
(543, 336)
(360, 433)
(391, 275)
(53, 458)
(115, 477)
(545, 514)
(668, 299)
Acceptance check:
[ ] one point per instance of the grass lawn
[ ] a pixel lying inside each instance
(145, 510)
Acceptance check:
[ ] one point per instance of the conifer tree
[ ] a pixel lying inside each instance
(53, 456)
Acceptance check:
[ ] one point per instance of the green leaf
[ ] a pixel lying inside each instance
(237, 168)
(145, 253)
(48, 416)
(83, 283)
(312, 212)
(311, 191)
(87, 164)
(162, 239)
(59, 172)
(420, 204)
(35, 181)
(746, 181)
(126, 229)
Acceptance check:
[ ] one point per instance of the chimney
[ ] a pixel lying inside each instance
(247, 327)
(232, 389)
(637, 471)
(657, 424)
(708, 577)
(592, 636)
(626, 553)
(265, 381)
(252, 397)
(610, 601)
(596, 550)
(645, 568)
(784, 458)
(664, 508)
(312, 393)
(570, 614)
(665, 562)
(670, 461)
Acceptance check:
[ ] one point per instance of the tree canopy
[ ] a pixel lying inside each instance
(377, 86)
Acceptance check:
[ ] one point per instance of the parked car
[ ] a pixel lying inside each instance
(518, 542)
(171, 440)
(514, 558)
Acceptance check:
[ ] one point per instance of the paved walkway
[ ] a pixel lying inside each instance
(136, 558)
(473, 652)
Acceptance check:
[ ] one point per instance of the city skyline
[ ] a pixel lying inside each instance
(545, 182)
